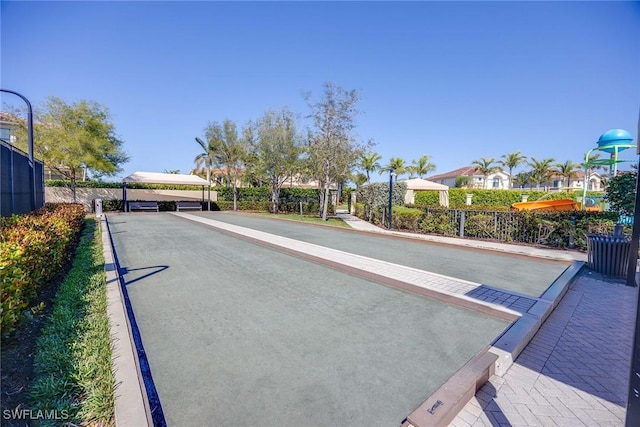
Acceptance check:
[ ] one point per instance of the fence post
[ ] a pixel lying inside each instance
(462, 218)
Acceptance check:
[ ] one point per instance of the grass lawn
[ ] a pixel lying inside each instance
(333, 221)
(72, 365)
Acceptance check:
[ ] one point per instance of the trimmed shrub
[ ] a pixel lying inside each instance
(33, 250)
(406, 218)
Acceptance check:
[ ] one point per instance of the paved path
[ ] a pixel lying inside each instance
(359, 224)
(575, 371)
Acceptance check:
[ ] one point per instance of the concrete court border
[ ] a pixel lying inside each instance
(131, 400)
(496, 359)
(132, 403)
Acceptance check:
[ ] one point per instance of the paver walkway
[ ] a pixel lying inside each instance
(497, 302)
(575, 371)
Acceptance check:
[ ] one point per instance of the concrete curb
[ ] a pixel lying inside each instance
(444, 404)
(131, 403)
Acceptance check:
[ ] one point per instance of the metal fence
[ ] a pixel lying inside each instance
(16, 191)
(565, 229)
(507, 226)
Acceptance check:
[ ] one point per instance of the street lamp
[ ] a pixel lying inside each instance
(32, 164)
(391, 171)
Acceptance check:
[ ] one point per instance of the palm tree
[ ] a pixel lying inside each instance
(207, 159)
(512, 161)
(359, 179)
(485, 167)
(567, 170)
(369, 163)
(230, 152)
(522, 179)
(541, 170)
(423, 166)
(396, 165)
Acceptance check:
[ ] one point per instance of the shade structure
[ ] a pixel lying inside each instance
(162, 178)
(419, 184)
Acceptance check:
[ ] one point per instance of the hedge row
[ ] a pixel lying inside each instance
(263, 194)
(491, 198)
(33, 250)
(308, 208)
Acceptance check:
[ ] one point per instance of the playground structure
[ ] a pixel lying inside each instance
(612, 142)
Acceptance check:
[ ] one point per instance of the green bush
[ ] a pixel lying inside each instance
(406, 218)
(427, 198)
(33, 250)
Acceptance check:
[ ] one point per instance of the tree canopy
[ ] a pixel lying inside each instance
(332, 148)
(76, 137)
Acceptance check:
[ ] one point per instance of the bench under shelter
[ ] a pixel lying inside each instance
(163, 178)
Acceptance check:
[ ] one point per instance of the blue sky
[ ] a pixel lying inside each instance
(454, 80)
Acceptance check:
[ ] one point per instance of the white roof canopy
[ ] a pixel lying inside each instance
(419, 184)
(423, 184)
(165, 178)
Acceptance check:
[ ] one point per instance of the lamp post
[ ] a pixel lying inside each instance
(32, 175)
(390, 216)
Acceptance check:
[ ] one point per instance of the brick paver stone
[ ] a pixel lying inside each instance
(574, 372)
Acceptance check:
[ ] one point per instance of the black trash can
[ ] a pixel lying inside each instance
(608, 253)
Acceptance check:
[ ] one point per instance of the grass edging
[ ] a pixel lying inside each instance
(73, 378)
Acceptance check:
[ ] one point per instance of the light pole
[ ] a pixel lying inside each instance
(32, 175)
(390, 216)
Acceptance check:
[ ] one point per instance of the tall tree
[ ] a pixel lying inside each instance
(332, 149)
(541, 170)
(359, 179)
(369, 163)
(76, 137)
(276, 149)
(423, 165)
(485, 166)
(567, 170)
(395, 165)
(230, 152)
(512, 161)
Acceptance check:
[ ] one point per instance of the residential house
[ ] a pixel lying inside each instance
(7, 125)
(498, 180)
(558, 183)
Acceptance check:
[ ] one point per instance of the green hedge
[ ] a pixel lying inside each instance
(491, 198)
(33, 250)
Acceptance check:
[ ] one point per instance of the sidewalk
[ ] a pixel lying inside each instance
(575, 371)
(359, 224)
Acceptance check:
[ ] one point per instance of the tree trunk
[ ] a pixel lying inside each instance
(275, 196)
(235, 197)
(325, 204)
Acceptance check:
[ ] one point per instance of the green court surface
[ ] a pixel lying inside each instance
(238, 334)
(526, 275)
